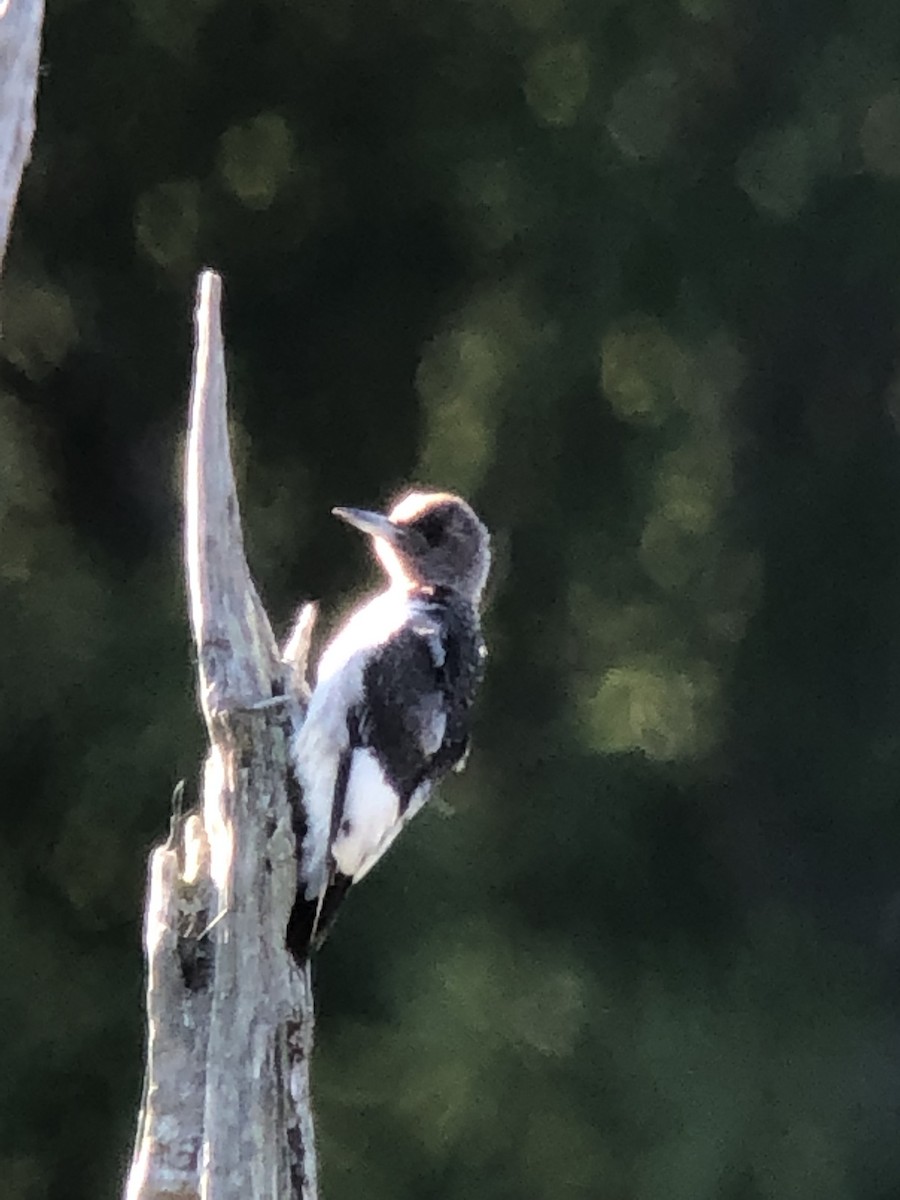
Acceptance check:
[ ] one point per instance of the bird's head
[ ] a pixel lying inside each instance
(429, 539)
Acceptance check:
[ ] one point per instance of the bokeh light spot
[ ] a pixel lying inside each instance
(257, 158)
(776, 171)
(464, 379)
(653, 707)
(557, 81)
(458, 374)
(172, 24)
(879, 138)
(535, 14)
(167, 223)
(644, 115)
(640, 367)
(492, 192)
(670, 554)
(703, 10)
(39, 324)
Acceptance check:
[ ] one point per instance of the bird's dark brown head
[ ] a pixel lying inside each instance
(429, 539)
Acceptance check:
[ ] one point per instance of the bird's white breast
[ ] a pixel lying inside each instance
(317, 748)
(369, 626)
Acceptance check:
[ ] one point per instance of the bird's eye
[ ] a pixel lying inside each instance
(431, 528)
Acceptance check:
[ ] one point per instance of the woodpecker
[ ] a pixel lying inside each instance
(389, 711)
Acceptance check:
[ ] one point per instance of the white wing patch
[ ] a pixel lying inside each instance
(431, 636)
(460, 764)
(370, 820)
(417, 801)
(431, 712)
(431, 724)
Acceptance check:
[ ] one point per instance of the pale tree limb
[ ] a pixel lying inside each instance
(227, 1111)
(20, 49)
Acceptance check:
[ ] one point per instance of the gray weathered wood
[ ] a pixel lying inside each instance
(20, 48)
(169, 1145)
(227, 1110)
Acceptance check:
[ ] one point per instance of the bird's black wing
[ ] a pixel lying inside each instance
(417, 695)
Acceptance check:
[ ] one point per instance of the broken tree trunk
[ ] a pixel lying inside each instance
(226, 1113)
(20, 48)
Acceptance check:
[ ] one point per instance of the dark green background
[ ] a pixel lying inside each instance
(627, 274)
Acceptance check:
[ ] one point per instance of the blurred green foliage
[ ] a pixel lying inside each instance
(627, 275)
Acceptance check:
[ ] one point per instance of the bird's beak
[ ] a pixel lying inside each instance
(373, 523)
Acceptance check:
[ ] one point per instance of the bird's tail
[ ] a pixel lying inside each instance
(310, 921)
